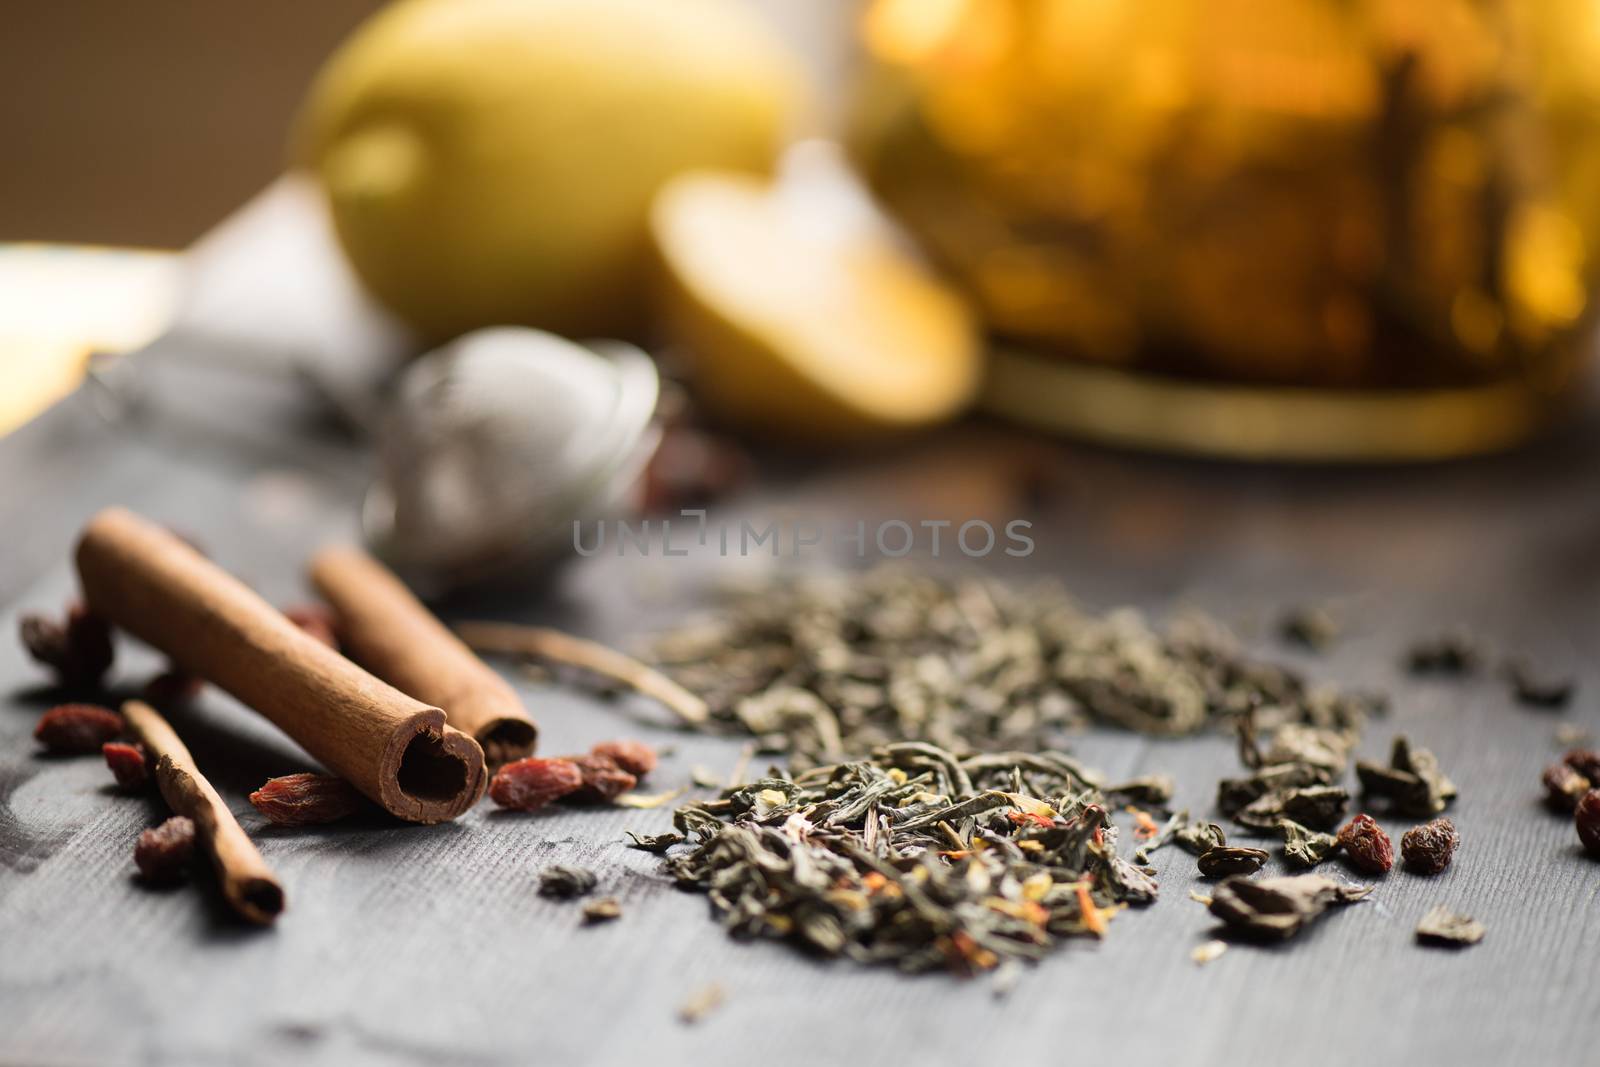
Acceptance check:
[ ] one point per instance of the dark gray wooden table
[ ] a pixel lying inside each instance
(430, 945)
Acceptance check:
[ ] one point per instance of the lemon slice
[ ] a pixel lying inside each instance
(804, 324)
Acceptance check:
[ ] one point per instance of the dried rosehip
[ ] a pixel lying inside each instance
(530, 784)
(1586, 761)
(1367, 846)
(317, 621)
(603, 780)
(128, 763)
(635, 757)
(306, 799)
(162, 853)
(79, 650)
(1563, 786)
(1587, 819)
(1427, 848)
(76, 729)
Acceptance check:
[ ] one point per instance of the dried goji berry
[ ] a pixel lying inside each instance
(163, 852)
(75, 729)
(317, 621)
(1368, 847)
(603, 780)
(635, 757)
(128, 763)
(306, 799)
(1428, 848)
(528, 784)
(1587, 819)
(79, 649)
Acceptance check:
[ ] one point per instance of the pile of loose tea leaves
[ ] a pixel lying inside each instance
(913, 857)
(829, 666)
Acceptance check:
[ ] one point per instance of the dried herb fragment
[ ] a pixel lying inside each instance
(1224, 860)
(602, 780)
(1312, 628)
(77, 729)
(307, 799)
(1303, 846)
(1279, 908)
(1317, 806)
(635, 757)
(701, 1003)
(1455, 654)
(1443, 927)
(1199, 837)
(563, 882)
(1536, 691)
(79, 649)
(1427, 849)
(1587, 819)
(162, 853)
(129, 764)
(1413, 784)
(1563, 787)
(530, 784)
(603, 910)
(1367, 846)
(657, 843)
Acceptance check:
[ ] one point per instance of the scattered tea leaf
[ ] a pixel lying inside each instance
(603, 910)
(563, 882)
(1305, 847)
(1279, 908)
(1441, 926)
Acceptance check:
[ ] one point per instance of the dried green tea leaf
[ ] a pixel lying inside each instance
(1312, 628)
(1198, 837)
(603, 910)
(564, 882)
(1413, 784)
(1441, 926)
(1454, 654)
(1224, 860)
(1279, 908)
(1316, 806)
(1305, 847)
(1538, 691)
(655, 842)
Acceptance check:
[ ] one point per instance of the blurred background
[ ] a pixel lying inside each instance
(1312, 231)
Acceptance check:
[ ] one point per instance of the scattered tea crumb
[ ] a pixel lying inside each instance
(1312, 628)
(1204, 954)
(701, 1003)
(1570, 733)
(705, 778)
(1441, 926)
(563, 882)
(1537, 691)
(603, 910)
(1455, 654)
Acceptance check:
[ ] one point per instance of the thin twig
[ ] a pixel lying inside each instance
(557, 647)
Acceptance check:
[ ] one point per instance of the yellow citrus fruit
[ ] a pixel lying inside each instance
(801, 327)
(493, 161)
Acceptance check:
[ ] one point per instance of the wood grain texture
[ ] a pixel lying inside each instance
(431, 945)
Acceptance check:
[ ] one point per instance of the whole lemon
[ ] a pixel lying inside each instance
(493, 161)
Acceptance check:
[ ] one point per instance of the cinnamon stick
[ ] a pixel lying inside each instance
(248, 883)
(387, 630)
(557, 647)
(395, 749)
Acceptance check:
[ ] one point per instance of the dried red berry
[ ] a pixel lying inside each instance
(128, 763)
(1563, 786)
(1587, 819)
(1367, 846)
(635, 757)
(306, 799)
(1586, 761)
(529, 784)
(603, 780)
(1427, 848)
(172, 687)
(317, 621)
(76, 729)
(79, 649)
(162, 853)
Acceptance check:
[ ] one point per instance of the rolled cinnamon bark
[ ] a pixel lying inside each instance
(387, 630)
(395, 749)
(248, 883)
